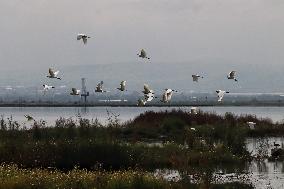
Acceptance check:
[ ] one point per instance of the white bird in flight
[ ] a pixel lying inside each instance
(53, 74)
(167, 96)
(143, 54)
(195, 77)
(122, 86)
(148, 93)
(232, 75)
(141, 102)
(84, 37)
(221, 94)
(99, 88)
(47, 87)
(147, 89)
(75, 91)
(149, 97)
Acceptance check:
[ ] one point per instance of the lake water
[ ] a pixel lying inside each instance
(262, 174)
(50, 114)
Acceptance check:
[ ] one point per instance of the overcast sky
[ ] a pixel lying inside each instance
(182, 37)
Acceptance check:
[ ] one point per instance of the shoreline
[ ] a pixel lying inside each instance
(134, 105)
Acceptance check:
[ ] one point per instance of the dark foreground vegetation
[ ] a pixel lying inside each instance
(117, 155)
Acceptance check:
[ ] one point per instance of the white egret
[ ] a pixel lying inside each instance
(232, 75)
(122, 86)
(75, 91)
(53, 74)
(84, 37)
(167, 96)
(195, 77)
(221, 94)
(99, 88)
(143, 54)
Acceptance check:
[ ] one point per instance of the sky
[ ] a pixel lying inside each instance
(182, 37)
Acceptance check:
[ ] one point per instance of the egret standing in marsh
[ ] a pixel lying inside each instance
(53, 74)
(84, 37)
(221, 94)
(143, 54)
(232, 75)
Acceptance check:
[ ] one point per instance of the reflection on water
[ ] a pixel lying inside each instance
(266, 173)
(262, 174)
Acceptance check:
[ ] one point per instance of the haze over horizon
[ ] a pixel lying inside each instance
(183, 37)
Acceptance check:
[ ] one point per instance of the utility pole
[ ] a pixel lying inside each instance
(84, 93)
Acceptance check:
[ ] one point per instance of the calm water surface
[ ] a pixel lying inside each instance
(50, 114)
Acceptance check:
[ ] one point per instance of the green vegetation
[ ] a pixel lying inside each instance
(13, 177)
(196, 145)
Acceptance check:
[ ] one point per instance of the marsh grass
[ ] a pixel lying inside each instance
(13, 177)
(192, 144)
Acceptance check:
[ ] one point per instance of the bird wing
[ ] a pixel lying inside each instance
(143, 53)
(74, 90)
(169, 95)
(147, 89)
(56, 73)
(194, 77)
(51, 72)
(232, 74)
(79, 36)
(168, 90)
(149, 97)
(122, 85)
(165, 97)
(220, 95)
(85, 40)
(141, 102)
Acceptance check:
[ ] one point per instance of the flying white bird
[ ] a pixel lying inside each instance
(141, 102)
(167, 96)
(147, 89)
(122, 86)
(195, 77)
(84, 37)
(149, 97)
(143, 54)
(99, 88)
(75, 91)
(232, 75)
(53, 74)
(148, 93)
(221, 94)
(47, 87)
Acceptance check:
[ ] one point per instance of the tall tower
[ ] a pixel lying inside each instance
(84, 93)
